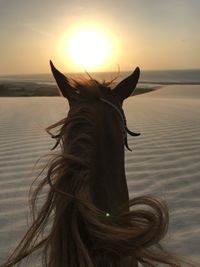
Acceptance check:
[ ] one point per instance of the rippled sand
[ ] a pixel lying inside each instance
(165, 160)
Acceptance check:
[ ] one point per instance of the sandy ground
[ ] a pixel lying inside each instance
(165, 161)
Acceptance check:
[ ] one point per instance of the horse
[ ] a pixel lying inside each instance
(93, 221)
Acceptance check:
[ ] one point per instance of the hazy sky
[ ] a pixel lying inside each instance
(154, 34)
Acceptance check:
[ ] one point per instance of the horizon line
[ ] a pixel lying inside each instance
(111, 71)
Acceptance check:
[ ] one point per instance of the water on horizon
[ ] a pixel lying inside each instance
(163, 76)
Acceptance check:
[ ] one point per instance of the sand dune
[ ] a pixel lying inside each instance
(164, 162)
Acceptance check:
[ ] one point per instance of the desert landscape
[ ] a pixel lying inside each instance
(164, 161)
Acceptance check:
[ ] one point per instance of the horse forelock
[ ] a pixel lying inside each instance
(91, 88)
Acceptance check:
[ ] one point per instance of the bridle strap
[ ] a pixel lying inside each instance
(122, 116)
(120, 112)
(113, 106)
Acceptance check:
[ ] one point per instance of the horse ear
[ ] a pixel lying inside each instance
(63, 84)
(126, 87)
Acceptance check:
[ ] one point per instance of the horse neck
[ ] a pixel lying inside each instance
(109, 188)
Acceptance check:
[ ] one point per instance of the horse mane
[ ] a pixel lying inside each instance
(81, 235)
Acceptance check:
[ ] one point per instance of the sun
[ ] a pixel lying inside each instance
(87, 48)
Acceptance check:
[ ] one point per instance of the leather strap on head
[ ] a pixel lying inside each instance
(122, 116)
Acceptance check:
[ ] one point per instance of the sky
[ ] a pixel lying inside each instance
(152, 34)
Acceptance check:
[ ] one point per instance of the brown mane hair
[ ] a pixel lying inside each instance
(93, 222)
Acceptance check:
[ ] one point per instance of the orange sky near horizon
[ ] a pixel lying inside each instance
(151, 34)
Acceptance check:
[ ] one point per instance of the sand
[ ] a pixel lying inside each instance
(165, 161)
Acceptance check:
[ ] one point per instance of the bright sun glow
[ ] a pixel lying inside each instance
(87, 48)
